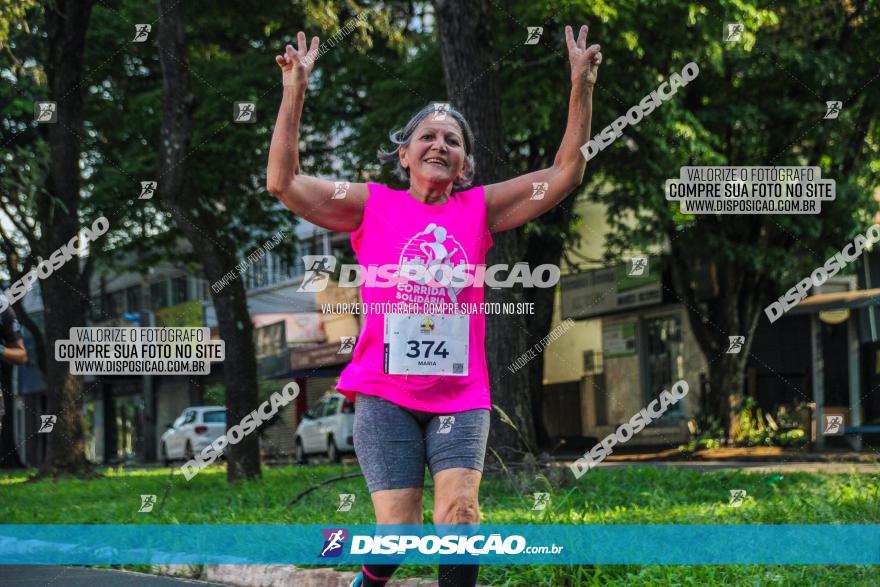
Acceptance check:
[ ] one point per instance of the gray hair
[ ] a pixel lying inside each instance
(402, 137)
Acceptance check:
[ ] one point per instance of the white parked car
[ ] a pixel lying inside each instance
(326, 429)
(192, 431)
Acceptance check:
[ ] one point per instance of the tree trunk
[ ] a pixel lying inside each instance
(205, 233)
(741, 293)
(58, 212)
(467, 42)
(726, 379)
(543, 249)
(8, 455)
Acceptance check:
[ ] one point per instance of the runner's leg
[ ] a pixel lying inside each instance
(456, 459)
(389, 444)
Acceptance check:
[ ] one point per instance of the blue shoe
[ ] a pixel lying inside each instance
(357, 581)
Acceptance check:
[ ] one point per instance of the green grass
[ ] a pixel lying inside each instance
(620, 496)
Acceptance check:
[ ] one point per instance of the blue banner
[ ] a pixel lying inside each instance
(485, 544)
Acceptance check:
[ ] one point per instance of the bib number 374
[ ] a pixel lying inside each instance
(426, 344)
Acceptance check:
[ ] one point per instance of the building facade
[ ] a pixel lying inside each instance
(125, 416)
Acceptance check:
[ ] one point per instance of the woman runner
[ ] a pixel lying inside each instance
(420, 381)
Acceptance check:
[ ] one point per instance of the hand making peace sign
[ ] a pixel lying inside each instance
(584, 61)
(296, 65)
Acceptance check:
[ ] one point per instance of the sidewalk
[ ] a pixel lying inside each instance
(756, 454)
(283, 576)
(760, 459)
(751, 466)
(69, 576)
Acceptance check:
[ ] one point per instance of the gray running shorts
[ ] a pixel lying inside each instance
(393, 444)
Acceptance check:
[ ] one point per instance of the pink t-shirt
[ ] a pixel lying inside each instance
(398, 229)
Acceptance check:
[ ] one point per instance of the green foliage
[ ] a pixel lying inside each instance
(634, 495)
(759, 429)
(371, 82)
(756, 102)
(13, 15)
(216, 394)
(25, 155)
(710, 435)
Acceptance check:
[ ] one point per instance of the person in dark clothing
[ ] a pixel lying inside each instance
(12, 352)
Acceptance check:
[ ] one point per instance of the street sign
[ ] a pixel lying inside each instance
(270, 342)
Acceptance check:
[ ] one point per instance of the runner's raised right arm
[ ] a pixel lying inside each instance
(332, 205)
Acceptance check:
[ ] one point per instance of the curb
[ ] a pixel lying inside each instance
(740, 455)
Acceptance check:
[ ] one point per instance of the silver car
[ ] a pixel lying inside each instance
(192, 431)
(326, 429)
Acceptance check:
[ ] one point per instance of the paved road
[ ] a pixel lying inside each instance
(63, 576)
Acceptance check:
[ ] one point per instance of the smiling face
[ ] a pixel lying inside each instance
(436, 153)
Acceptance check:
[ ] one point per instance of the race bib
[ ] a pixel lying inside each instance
(426, 344)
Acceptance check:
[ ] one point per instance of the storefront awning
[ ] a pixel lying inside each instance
(320, 356)
(320, 360)
(843, 300)
(309, 373)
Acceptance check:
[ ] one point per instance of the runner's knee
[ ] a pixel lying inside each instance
(461, 508)
(398, 506)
